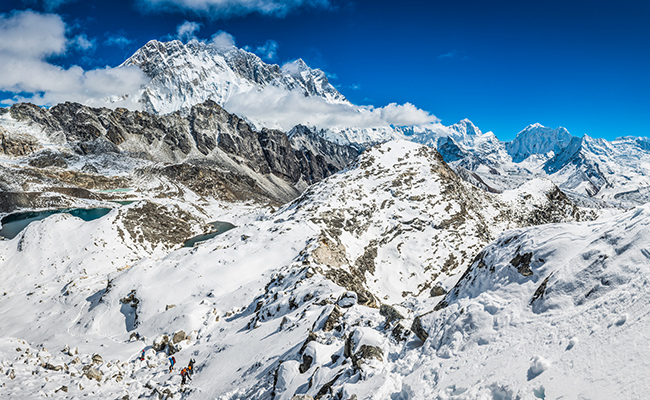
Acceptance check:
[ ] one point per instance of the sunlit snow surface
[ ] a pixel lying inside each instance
(250, 297)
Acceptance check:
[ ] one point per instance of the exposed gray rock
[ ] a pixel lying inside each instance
(17, 145)
(178, 337)
(417, 328)
(160, 343)
(438, 291)
(48, 158)
(366, 353)
(92, 373)
(215, 153)
(332, 319)
(319, 158)
(390, 313)
(35, 115)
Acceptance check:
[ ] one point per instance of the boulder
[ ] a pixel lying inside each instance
(92, 373)
(160, 343)
(332, 319)
(179, 336)
(390, 313)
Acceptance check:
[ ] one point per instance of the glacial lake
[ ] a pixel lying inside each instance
(12, 224)
(220, 227)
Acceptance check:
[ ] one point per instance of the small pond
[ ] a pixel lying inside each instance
(220, 227)
(12, 224)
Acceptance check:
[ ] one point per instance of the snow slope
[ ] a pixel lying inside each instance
(316, 298)
(545, 312)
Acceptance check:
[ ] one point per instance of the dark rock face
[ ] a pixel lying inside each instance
(279, 155)
(211, 151)
(17, 145)
(35, 115)
(48, 158)
(318, 157)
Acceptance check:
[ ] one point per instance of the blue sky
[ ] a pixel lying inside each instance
(582, 64)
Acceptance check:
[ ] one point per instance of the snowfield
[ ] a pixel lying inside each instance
(333, 296)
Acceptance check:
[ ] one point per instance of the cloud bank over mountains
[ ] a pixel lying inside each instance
(281, 109)
(29, 39)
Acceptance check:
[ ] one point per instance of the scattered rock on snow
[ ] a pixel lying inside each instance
(539, 364)
(92, 373)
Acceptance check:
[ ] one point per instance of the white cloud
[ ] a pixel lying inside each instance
(117, 40)
(228, 8)
(222, 39)
(28, 39)
(268, 51)
(185, 31)
(278, 108)
(453, 55)
(32, 34)
(82, 42)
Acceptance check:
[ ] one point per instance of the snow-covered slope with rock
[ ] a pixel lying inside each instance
(315, 299)
(593, 171)
(183, 75)
(545, 312)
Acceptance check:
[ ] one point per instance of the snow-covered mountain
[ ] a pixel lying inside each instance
(543, 312)
(313, 299)
(183, 75)
(539, 140)
(590, 170)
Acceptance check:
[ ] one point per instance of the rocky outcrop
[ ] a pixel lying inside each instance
(17, 145)
(48, 158)
(317, 157)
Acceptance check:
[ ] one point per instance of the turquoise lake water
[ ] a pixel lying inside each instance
(13, 224)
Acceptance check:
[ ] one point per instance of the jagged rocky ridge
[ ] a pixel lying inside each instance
(183, 75)
(316, 298)
(594, 172)
(209, 152)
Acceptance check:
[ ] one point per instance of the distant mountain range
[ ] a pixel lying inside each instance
(590, 170)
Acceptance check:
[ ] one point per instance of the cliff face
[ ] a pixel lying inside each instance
(209, 150)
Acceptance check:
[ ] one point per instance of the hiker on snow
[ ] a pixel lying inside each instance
(142, 355)
(190, 366)
(185, 376)
(172, 361)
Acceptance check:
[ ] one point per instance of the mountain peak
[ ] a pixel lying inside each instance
(465, 127)
(183, 75)
(538, 139)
